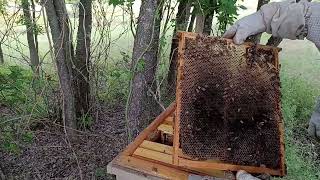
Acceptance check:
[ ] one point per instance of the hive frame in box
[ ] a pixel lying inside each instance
(147, 155)
(182, 162)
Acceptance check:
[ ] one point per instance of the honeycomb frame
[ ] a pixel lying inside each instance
(178, 140)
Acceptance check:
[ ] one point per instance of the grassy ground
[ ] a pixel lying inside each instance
(300, 62)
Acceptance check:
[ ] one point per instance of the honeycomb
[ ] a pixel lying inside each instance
(229, 99)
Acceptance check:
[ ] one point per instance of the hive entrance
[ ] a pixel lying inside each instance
(229, 100)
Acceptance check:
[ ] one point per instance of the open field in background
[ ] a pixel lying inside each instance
(300, 74)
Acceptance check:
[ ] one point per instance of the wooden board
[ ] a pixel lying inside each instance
(150, 129)
(165, 128)
(152, 168)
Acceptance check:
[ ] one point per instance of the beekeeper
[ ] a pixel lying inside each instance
(290, 20)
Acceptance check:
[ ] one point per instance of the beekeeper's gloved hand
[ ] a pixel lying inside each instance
(286, 19)
(314, 125)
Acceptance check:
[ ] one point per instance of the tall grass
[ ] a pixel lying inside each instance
(302, 152)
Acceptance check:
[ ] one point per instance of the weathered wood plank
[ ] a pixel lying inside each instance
(168, 129)
(152, 168)
(226, 167)
(169, 120)
(166, 157)
(155, 155)
(157, 147)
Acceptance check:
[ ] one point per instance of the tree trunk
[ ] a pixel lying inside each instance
(34, 22)
(182, 18)
(208, 24)
(209, 18)
(192, 19)
(199, 23)
(1, 55)
(34, 56)
(82, 59)
(59, 25)
(144, 64)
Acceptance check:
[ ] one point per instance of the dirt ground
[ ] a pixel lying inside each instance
(50, 156)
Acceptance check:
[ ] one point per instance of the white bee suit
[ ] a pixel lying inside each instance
(287, 19)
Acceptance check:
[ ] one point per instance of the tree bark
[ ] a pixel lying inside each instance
(199, 23)
(182, 18)
(208, 24)
(34, 22)
(209, 18)
(82, 59)
(192, 19)
(34, 56)
(144, 64)
(1, 55)
(59, 25)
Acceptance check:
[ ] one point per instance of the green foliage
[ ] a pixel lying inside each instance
(13, 81)
(100, 173)
(85, 122)
(298, 100)
(205, 6)
(120, 2)
(227, 13)
(3, 4)
(113, 82)
(37, 29)
(23, 93)
(140, 65)
(12, 137)
(8, 142)
(28, 137)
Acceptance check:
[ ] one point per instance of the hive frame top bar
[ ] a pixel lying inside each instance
(248, 44)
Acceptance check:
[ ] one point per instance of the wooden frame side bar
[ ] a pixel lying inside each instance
(283, 169)
(153, 126)
(176, 130)
(227, 167)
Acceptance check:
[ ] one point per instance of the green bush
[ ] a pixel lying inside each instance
(26, 97)
(13, 83)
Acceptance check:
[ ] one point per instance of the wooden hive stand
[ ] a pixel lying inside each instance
(156, 152)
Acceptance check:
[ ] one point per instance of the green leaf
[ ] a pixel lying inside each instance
(116, 2)
(28, 137)
(3, 4)
(140, 65)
